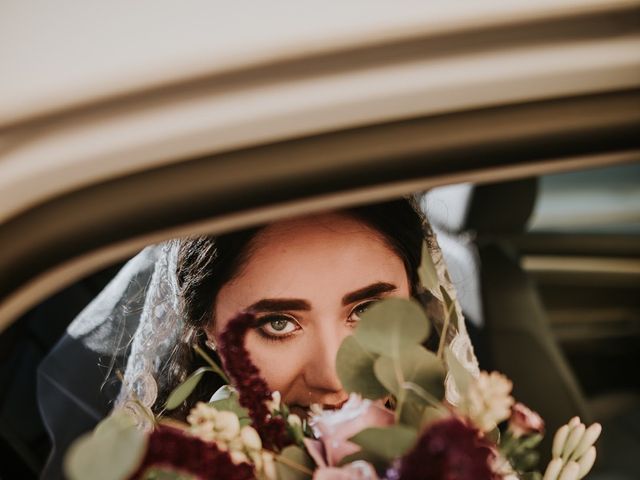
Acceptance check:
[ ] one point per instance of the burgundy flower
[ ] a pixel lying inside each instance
(175, 449)
(449, 449)
(253, 391)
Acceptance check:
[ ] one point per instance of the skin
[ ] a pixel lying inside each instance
(313, 273)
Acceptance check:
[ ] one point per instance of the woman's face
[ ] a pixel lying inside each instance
(309, 280)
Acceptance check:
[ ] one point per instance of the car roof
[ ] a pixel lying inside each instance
(70, 53)
(123, 124)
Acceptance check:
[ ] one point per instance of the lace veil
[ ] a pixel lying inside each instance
(142, 304)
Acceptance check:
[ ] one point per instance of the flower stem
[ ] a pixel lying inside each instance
(292, 464)
(214, 366)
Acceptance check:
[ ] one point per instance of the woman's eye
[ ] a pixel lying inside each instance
(359, 310)
(278, 326)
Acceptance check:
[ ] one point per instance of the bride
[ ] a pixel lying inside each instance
(307, 279)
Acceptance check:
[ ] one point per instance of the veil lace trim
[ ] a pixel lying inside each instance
(458, 338)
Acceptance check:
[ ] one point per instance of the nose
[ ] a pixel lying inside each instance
(320, 369)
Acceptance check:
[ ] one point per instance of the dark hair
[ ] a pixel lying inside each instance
(206, 263)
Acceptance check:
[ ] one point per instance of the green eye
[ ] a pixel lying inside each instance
(279, 324)
(360, 310)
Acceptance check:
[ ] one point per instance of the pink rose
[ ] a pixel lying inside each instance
(333, 428)
(524, 421)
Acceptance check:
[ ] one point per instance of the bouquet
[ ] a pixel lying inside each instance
(406, 418)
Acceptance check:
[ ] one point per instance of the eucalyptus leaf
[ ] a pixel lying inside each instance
(113, 451)
(418, 366)
(531, 476)
(182, 391)
(494, 435)
(531, 441)
(525, 461)
(354, 366)
(413, 407)
(386, 442)
(162, 473)
(391, 326)
(232, 404)
(430, 415)
(290, 456)
(427, 270)
(461, 376)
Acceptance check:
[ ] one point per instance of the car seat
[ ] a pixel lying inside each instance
(499, 297)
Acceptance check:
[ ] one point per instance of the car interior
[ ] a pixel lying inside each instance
(557, 293)
(521, 121)
(551, 304)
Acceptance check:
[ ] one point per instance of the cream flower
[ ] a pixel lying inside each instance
(227, 425)
(488, 400)
(201, 413)
(275, 402)
(573, 451)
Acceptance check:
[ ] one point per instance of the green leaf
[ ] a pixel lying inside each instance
(232, 404)
(182, 391)
(386, 443)
(293, 463)
(162, 473)
(531, 441)
(530, 476)
(111, 452)
(391, 326)
(418, 366)
(461, 376)
(354, 366)
(430, 415)
(494, 435)
(427, 270)
(413, 407)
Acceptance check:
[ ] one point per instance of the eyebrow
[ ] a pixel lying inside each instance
(367, 292)
(280, 304)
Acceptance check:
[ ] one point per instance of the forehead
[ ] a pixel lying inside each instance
(325, 253)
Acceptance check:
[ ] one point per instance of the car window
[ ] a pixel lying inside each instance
(602, 200)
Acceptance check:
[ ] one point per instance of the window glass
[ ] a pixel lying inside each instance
(603, 200)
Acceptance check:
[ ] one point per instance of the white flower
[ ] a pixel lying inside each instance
(573, 451)
(227, 425)
(238, 457)
(201, 413)
(488, 401)
(294, 420)
(275, 402)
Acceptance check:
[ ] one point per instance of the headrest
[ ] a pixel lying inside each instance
(496, 208)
